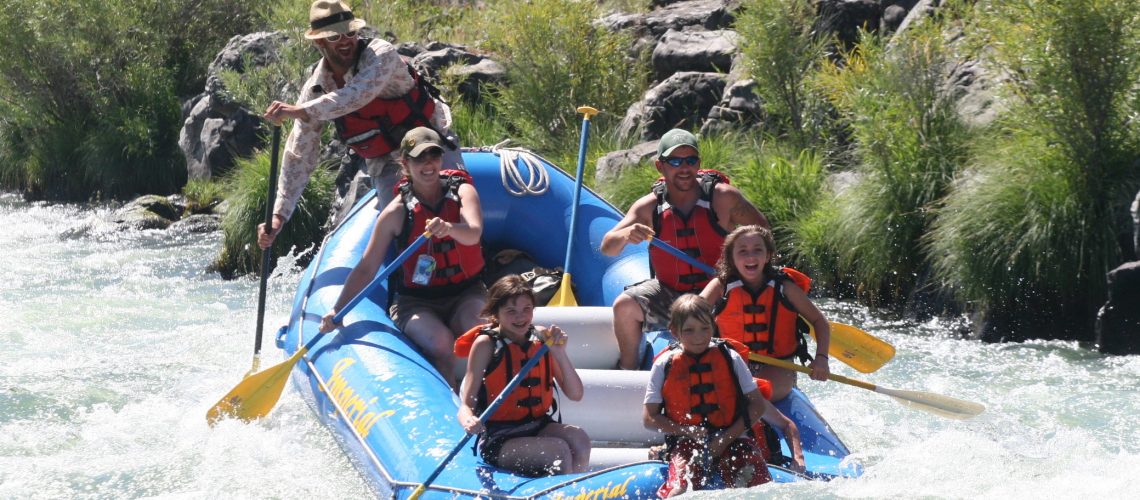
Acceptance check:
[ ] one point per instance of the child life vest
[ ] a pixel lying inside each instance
(702, 389)
(533, 397)
(764, 321)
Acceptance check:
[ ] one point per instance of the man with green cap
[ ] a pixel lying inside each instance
(372, 96)
(689, 208)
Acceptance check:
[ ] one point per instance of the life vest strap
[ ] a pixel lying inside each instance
(754, 308)
(686, 231)
(702, 388)
(758, 346)
(690, 279)
(756, 327)
(705, 408)
(530, 402)
(530, 382)
(700, 368)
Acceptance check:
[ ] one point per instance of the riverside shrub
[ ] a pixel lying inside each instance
(90, 91)
(1033, 226)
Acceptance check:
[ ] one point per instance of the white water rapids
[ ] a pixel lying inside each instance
(116, 343)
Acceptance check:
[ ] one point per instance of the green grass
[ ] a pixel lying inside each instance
(247, 185)
(590, 67)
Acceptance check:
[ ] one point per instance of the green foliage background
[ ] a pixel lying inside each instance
(91, 89)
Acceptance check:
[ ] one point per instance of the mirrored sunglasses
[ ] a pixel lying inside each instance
(692, 161)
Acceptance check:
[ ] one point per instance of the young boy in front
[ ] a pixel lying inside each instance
(703, 397)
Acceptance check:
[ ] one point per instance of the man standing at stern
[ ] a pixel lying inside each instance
(372, 96)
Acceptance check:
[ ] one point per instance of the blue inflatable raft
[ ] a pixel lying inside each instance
(396, 417)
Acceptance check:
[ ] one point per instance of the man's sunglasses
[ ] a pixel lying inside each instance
(336, 38)
(692, 161)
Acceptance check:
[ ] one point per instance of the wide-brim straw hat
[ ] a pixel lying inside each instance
(327, 18)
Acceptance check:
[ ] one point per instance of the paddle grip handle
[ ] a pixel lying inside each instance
(689, 259)
(381, 277)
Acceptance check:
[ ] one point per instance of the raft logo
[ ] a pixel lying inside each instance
(610, 490)
(353, 406)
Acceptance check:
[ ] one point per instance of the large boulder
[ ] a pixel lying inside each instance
(681, 101)
(1118, 321)
(216, 131)
(613, 164)
(739, 108)
(704, 51)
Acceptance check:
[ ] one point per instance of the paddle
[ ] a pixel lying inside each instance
(859, 349)
(564, 297)
(256, 395)
(937, 404)
(266, 254)
(498, 401)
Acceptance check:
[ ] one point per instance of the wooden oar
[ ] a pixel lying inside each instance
(498, 401)
(564, 297)
(859, 349)
(937, 404)
(257, 394)
(266, 254)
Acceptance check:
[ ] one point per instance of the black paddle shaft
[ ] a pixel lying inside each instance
(267, 254)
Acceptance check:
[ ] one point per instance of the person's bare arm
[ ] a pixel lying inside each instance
(731, 205)
(633, 228)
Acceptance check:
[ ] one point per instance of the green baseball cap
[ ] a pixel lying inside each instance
(418, 140)
(674, 139)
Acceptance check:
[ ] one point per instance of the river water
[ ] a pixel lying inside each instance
(116, 344)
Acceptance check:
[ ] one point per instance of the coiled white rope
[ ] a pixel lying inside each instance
(536, 179)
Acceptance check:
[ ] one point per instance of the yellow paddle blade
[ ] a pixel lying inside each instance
(859, 349)
(564, 297)
(256, 395)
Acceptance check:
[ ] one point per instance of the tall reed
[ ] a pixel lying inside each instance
(909, 142)
(1030, 231)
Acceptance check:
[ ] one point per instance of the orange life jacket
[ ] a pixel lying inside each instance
(534, 395)
(456, 264)
(763, 321)
(702, 390)
(378, 127)
(697, 233)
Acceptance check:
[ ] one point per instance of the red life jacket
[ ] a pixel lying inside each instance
(765, 322)
(378, 127)
(534, 395)
(697, 234)
(456, 264)
(702, 390)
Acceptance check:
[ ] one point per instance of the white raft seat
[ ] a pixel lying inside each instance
(611, 406)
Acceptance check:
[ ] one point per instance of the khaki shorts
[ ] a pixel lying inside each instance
(442, 307)
(655, 300)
